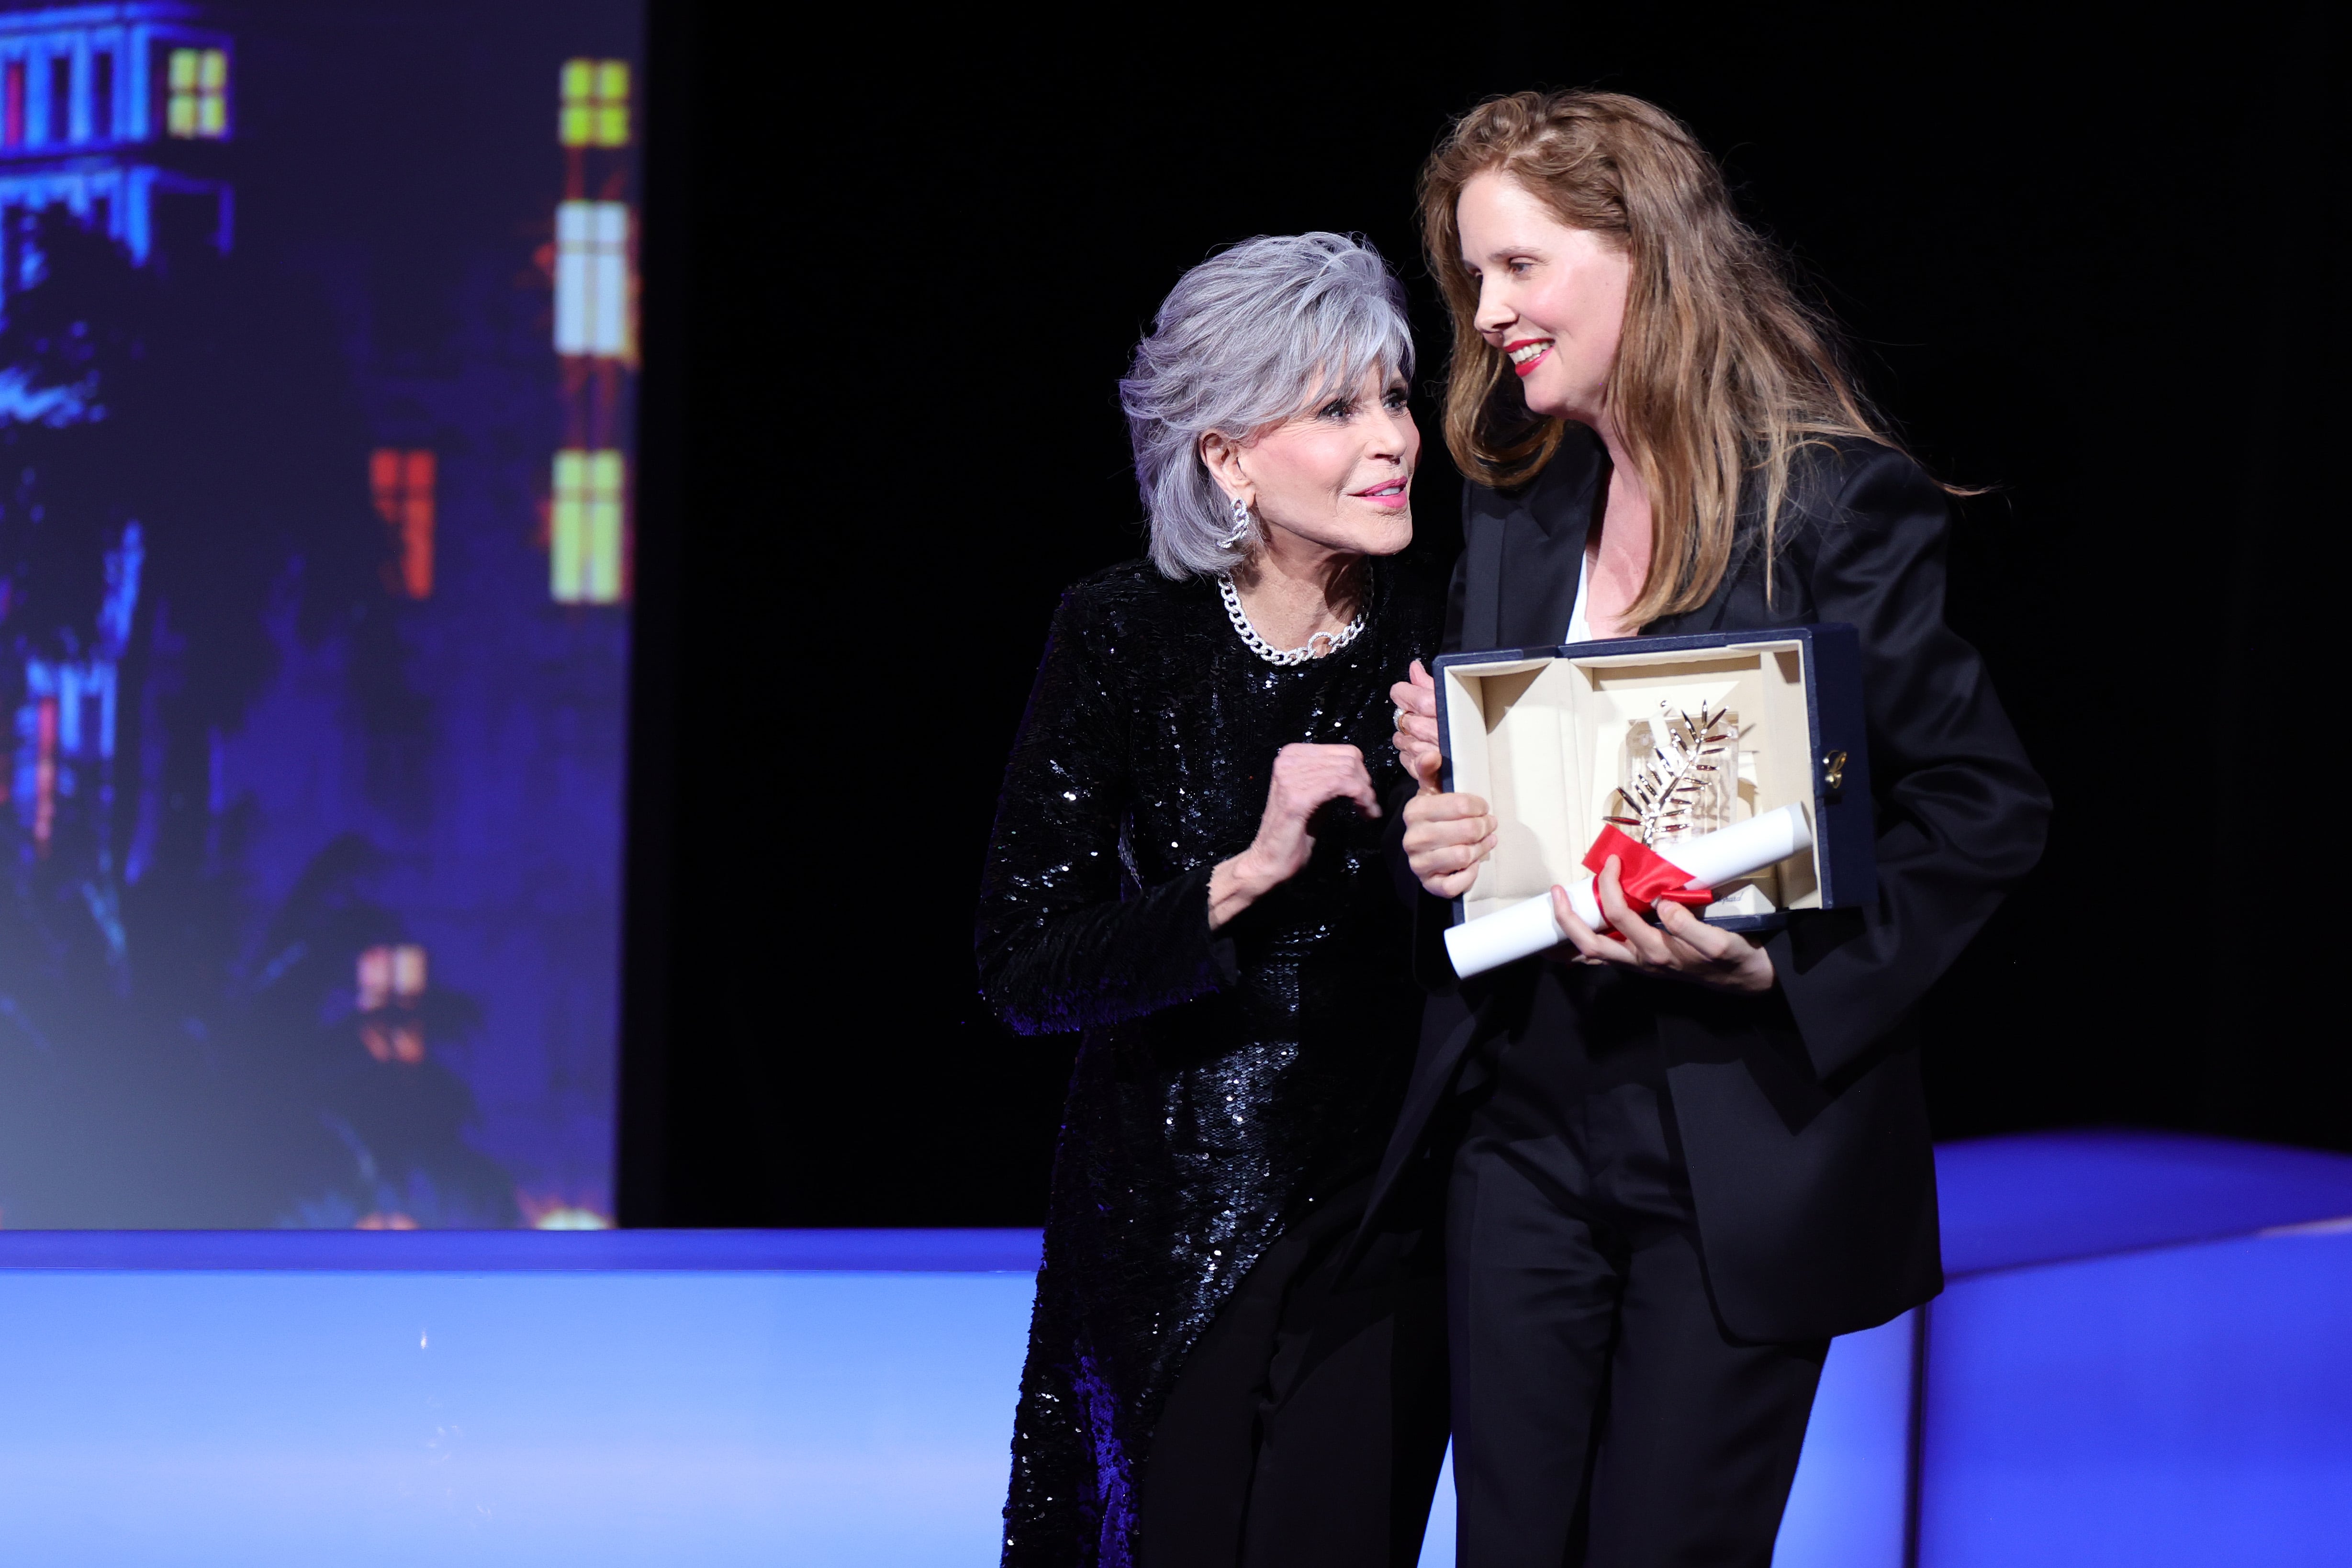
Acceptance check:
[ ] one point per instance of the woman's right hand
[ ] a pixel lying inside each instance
(1416, 719)
(1305, 777)
(1445, 836)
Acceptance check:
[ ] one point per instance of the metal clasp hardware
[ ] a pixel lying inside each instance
(1834, 772)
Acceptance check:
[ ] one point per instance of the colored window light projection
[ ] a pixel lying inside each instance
(391, 986)
(595, 104)
(195, 105)
(585, 535)
(66, 723)
(554, 1214)
(401, 484)
(216, 806)
(37, 725)
(591, 278)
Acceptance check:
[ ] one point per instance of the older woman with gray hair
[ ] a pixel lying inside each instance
(1187, 868)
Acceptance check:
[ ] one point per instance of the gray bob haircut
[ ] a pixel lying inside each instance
(1246, 339)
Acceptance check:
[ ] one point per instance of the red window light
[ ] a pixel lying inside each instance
(390, 985)
(401, 484)
(45, 774)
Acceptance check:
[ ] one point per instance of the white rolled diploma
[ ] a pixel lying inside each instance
(1527, 928)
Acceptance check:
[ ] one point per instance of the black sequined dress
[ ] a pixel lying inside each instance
(1225, 1079)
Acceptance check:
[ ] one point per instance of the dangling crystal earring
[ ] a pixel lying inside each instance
(1241, 523)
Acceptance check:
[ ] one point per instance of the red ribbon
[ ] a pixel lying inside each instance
(1647, 878)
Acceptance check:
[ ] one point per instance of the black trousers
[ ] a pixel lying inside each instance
(1308, 1425)
(1602, 1416)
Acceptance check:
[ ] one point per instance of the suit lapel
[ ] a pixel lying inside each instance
(1707, 617)
(1482, 567)
(1736, 602)
(1543, 547)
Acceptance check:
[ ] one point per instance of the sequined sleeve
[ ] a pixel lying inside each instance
(1062, 944)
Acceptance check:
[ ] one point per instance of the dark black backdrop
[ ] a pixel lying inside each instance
(886, 300)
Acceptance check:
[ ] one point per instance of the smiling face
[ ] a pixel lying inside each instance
(1549, 295)
(1336, 475)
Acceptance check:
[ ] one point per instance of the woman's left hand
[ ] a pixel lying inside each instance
(1683, 948)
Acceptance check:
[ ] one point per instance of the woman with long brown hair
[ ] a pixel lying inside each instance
(1680, 1160)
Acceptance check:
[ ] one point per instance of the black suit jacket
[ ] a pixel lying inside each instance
(1801, 1115)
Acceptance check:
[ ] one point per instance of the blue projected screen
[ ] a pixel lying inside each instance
(317, 363)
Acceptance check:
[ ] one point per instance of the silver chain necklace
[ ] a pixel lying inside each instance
(1333, 641)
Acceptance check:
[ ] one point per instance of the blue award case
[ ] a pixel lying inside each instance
(1545, 735)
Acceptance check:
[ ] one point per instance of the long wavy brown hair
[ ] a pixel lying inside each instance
(1723, 373)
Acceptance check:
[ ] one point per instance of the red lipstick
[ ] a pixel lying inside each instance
(1525, 367)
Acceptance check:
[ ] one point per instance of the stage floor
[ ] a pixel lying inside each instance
(575, 1399)
(2145, 1358)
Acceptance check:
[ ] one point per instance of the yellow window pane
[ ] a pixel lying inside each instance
(575, 126)
(181, 72)
(565, 555)
(212, 116)
(603, 585)
(567, 533)
(585, 565)
(579, 80)
(179, 115)
(605, 475)
(612, 81)
(613, 127)
(212, 70)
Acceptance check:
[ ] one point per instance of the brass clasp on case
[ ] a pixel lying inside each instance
(1833, 773)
